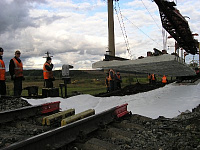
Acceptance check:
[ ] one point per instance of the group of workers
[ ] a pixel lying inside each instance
(16, 73)
(152, 79)
(113, 80)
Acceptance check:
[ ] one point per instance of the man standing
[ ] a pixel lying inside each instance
(2, 74)
(118, 80)
(149, 78)
(16, 73)
(153, 79)
(111, 79)
(164, 80)
(48, 73)
(107, 83)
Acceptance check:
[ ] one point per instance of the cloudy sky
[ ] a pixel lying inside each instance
(75, 31)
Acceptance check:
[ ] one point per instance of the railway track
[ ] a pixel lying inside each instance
(22, 123)
(136, 132)
(115, 128)
(33, 128)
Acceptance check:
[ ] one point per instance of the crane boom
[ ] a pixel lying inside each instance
(177, 26)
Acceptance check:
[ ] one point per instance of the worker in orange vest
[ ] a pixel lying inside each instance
(164, 79)
(118, 80)
(16, 73)
(107, 82)
(153, 78)
(112, 79)
(48, 73)
(2, 74)
(149, 78)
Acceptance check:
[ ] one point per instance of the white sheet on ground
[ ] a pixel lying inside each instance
(168, 101)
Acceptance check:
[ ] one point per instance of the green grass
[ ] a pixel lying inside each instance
(82, 86)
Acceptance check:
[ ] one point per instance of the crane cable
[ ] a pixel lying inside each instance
(141, 30)
(164, 33)
(123, 29)
(150, 14)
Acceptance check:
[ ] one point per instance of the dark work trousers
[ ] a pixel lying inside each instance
(17, 86)
(112, 85)
(153, 82)
(118, 84)
(2, 87)
(48, 83)
(149, 81)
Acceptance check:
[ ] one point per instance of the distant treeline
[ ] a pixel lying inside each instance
(38, 74)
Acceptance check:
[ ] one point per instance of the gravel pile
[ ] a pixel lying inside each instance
(181, 132)
(136, 132)
(9, 103)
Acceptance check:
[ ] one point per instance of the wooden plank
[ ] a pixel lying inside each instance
(79, 116)
(57, 117)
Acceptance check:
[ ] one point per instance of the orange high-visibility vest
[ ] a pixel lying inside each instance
(18, 68)
(153, 77)
(2, 70)
(164, 79)
(111, 78)
(47, 74)
(149, 76)
(118, 76)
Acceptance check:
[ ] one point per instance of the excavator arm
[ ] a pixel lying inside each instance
(177, 26)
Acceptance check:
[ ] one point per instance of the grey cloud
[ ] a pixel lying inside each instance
(15, 14)
(73, 40)
(48, 20)
(81, 6)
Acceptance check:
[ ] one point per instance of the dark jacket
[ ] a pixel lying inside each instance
(12, 67)
(50, 67)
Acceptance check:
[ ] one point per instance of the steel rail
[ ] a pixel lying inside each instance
(62, 136)
(28, 111)
(19, 113)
